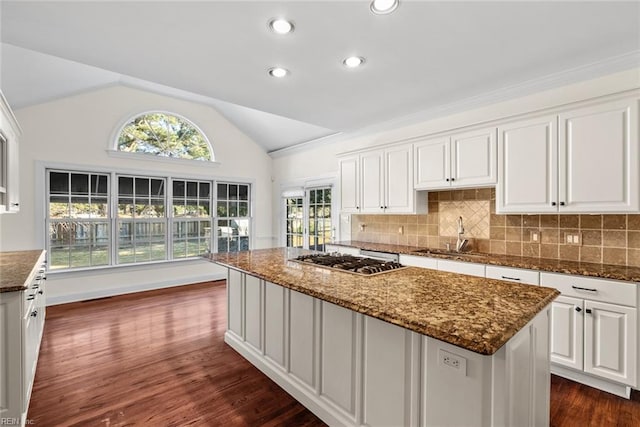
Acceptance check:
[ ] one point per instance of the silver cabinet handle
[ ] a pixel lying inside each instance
(510, 278)
(578, 288)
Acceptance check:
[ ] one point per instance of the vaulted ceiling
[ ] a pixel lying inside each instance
(424, 55)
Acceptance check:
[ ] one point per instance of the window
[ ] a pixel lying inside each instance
(191, 218)
(79, 220)
(141, 219)
(164, 135)
(232, 229)
(152, 218)
(308, 221)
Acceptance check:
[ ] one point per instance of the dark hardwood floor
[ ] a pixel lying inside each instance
(158, 359)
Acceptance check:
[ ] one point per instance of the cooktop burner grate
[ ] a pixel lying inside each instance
(350, 263)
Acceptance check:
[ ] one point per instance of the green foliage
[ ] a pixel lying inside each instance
(163, 135)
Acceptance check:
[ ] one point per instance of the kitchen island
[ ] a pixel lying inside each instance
(407, 347)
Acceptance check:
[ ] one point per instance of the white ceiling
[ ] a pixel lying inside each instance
(424, 55)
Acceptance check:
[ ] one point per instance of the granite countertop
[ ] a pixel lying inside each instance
(15, 268)
(604, 271)
(475, 313)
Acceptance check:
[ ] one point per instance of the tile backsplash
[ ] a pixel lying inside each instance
(607, 239)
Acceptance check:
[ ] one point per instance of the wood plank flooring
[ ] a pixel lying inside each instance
(158, 359)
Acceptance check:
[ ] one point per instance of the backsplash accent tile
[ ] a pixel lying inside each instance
(610, 239)
(475, 215)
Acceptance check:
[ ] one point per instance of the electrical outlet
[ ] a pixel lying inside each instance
(452, 361)
(362, 227)
(573, 238)
(401, 230)
(535, 236)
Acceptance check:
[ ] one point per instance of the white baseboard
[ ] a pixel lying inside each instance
(309, 399)
(582, 378)
(102, 293)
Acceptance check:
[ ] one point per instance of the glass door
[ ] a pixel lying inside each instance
(308, 219)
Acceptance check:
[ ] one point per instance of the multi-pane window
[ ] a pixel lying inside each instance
(319, 218)
(141, 219)
(295, 221)
(191, 218)
(79, 220)
(232, 229)
(102, 219)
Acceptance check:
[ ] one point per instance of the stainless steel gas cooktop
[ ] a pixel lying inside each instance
(350, 263)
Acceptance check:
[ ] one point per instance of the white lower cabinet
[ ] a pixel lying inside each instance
(338, 357)
(274, 323)
(303, 345)
(593, 335)
(22, 315)
(391, 374)
(461, 267)
(355, 370)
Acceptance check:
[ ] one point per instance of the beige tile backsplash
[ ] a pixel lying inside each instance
(608, 239)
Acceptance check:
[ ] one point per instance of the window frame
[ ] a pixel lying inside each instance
(303, 190)
(42, 205)
(113, 150)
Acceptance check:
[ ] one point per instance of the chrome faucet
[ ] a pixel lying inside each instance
(461, 243)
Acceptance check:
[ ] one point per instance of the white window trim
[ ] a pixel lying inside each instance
(113, 146)
(40, 205)
(153, 158)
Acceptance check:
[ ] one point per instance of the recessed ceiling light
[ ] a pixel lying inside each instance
(278, 72)
(381, 7)
(281, 26)
(353, 61)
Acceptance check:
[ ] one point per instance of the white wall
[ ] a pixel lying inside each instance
(322, 159)
(78, 130)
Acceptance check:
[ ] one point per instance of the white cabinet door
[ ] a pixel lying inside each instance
(302, 334)
(528, 166)
(338, 357)
(432, 164)
(474, 158)
(610, 341)
(13, 178)
(387, 374)
(11, 384)
(599, 158)
(399, 192)
(234, 301)
(274, 323)
(253, 311)
(567, 332)
(350, 184)
(372, 182)
(461, 267)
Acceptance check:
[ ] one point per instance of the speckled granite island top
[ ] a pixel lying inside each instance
(15, 268)
(475, 313)
(604, 271)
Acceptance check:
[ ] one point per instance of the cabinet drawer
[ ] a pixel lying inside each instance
(461, 267)
(592, 289)
(419, 261)
(517, 275)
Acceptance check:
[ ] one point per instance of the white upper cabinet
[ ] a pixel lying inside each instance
(9, 159)
(461, 160)
(372, 182)
(528, 166)
(350, 184)
(598, 154)
(582, 160)
(432, 163)
(380, 182)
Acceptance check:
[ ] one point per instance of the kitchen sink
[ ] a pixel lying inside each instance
(446, 252)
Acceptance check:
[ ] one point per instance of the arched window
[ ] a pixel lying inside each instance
(164, 135)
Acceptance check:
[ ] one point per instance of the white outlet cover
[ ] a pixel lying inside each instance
(461, 361)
